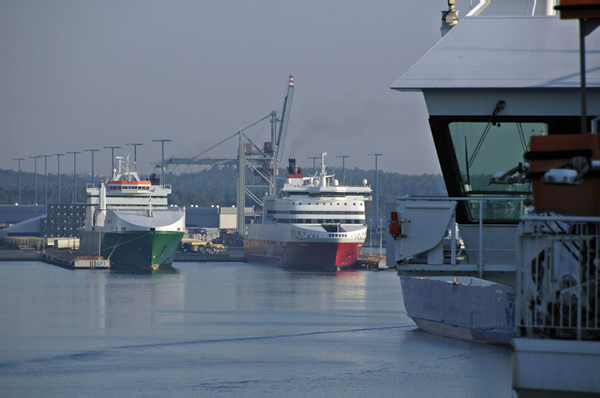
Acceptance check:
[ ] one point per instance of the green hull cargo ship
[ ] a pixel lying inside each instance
(129, 222)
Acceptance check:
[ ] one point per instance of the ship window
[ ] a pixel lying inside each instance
(482, 149)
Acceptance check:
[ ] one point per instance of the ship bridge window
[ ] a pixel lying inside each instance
(482, 149)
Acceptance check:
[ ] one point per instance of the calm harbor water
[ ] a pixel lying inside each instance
(230, 329)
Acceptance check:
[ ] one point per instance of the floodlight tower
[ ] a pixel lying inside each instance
(46, 178)
(163, 159)
(376, 186)
(74, 176)
(92, 151)
(343, 167)
(112, 158)
(36, 184)
(314, 158)
(19, 159)
(58, 155)
(134, 155)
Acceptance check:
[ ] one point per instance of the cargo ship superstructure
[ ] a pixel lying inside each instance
(313, 222)
(129, 221)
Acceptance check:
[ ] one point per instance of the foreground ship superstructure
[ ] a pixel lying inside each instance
(521, 169)
(129, 222)
(313, 222)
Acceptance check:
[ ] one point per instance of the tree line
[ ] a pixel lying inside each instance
(216, 185)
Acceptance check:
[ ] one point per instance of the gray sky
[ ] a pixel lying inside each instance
(76, 75)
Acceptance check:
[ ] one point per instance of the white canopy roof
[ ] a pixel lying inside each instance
(506, 52)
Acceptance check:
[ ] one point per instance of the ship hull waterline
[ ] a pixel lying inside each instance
(484, 314)
(145, 250)
(311, 255)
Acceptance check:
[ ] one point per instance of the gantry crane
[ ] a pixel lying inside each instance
(262, 161)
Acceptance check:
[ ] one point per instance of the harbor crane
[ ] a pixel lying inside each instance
(263, 161)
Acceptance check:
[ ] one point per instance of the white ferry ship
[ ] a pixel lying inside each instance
(313, 222)
(129, 222)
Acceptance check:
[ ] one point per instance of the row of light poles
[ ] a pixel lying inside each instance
(75, 153)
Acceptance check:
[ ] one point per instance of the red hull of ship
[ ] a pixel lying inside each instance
(303, 254)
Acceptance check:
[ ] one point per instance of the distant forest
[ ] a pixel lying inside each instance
(215, 186)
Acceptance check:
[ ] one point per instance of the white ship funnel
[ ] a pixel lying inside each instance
(102, 197)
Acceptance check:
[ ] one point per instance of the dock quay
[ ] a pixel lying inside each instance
(74, 261)
(20, 255)
(371, 263)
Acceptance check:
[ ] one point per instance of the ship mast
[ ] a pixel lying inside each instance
(323, 175)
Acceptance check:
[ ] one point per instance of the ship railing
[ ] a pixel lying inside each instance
(558, 278)
(432, 243)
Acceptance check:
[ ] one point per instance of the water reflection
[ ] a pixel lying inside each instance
(294, 289)
(117, 272)
(135, 298)
(226, 328)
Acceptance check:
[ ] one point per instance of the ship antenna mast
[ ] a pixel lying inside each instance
(323, 174)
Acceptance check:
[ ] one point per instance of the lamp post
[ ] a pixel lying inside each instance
(46, 178)
(19, 159)
(36, 184)
(376, 186)
(163, 159)
(343, 167)
(58, 155)
(134, 155)
(74, 176)
(112, 158)
(314, 158)
(92, 151)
